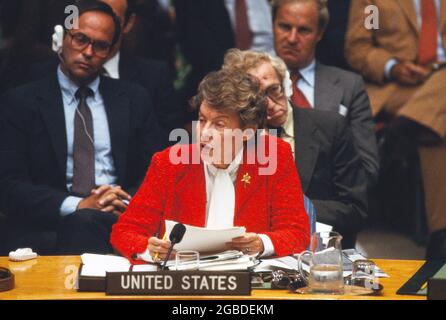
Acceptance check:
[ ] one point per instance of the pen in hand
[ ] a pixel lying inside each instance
(155, 258)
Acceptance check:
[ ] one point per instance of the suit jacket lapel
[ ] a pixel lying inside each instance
(327, 92)
(117, 106)
(411, 14)
(52, 111)
(306, 153)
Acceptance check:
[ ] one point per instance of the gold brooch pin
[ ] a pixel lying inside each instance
(246, 179)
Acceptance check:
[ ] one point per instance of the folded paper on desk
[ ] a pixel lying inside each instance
(290, 263)
(96, 265)
(231, 260)
(285, 263)
(241, 264)
(321, 227)
(203, 239)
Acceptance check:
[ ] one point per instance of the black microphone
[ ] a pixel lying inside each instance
(176, 235)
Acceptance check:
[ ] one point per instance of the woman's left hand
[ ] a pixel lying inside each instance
(250, 244)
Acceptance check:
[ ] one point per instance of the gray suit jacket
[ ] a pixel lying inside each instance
(335, 87)
(330, 171)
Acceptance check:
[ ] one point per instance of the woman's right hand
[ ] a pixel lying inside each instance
(158, 249)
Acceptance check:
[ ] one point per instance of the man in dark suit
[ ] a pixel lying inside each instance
(74, 146)
(326, 159)
(153, 75)
(298, 27)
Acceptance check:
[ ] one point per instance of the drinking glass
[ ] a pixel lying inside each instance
(363, 274)
(187, 260)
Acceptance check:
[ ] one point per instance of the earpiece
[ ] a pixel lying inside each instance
(57, 39)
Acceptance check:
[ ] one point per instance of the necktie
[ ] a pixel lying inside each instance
(222, 203)
(243, 34)
(428, 36)
(83, 146)
(298, 98)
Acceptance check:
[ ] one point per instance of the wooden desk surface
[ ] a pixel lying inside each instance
(51, 278)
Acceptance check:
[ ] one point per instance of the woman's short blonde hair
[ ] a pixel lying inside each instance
(233, 91)
(245, 61)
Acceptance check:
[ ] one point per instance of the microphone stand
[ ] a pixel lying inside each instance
(163, 267)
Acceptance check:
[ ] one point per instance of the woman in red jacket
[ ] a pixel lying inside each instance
(235, 175)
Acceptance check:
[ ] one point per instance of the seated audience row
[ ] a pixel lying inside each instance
(77, 141)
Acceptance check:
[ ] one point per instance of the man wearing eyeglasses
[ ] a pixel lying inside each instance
(153, 75)
(328, 164)
(74, 146)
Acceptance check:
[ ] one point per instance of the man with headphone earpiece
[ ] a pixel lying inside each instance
(153, 75)
(76, 145)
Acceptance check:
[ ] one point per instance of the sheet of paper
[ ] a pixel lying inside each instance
(96, 265)
(284, 263)
(205, 240)
(321, 227)
(290, 263)
(229, 266)
(91, 270)
(99, 259)
(145, 268)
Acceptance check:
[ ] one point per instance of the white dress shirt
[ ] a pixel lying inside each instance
(112, 66)
(288, 128)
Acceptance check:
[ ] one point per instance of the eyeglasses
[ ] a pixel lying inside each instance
(80, 41)
(279, 279)
(274, 92)
(283, 280)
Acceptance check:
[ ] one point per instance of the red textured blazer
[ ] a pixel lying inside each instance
(264, 204)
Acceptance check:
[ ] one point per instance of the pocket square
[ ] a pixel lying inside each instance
(343, 110)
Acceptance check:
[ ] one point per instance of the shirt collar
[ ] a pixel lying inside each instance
(308, 73)
(69, 88)
(288, 126)
(112, 66)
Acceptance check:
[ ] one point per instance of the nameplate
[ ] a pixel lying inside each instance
(187, 283)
